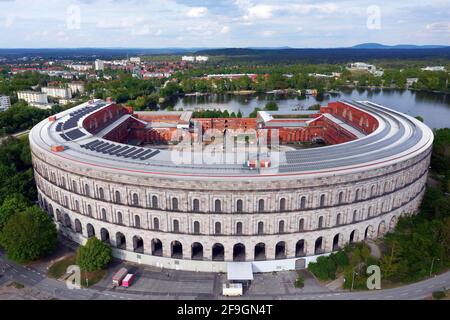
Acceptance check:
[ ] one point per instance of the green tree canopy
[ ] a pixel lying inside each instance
(28, 235)
(94, 255)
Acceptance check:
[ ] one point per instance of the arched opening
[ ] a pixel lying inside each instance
(119, 218)
(196, 205)
(177, 250)
(341, 197)
(218, 252)
(353, 236)
(302, 202)
(50, 211)
(337, 242)
(138, 244)
(89, 210)
(355, 216)
(260, 252)
(392, 223)
(101, 194)
(239, 205)
(197, 251)
(260, 227)
(281, 226)
(369, 233)
(196, 227)
(118, 197)
(357, 195)
(320, 223)
(157, 247)
(338, 219)
(78, 227)
(301, 225)
(217, 206)
(104, 235)
(103, 217)
(300, 248)
(239, 252)
(154, 202)
(155, 223)
(135, 199)
(239, 228)
(322, 201)
(176, 226)
(318, 246)
(137, 221)
(280, 250)
(282, 204)
(67, 222)
(174, 204)
(121, 242)
(261, 205)
(217, 228)
(58, 216)
(381, 228)
(90, 230)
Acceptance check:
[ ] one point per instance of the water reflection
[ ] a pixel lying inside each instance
(433, 107)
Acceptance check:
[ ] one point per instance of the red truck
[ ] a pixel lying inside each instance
(119, 276)
(128, 280)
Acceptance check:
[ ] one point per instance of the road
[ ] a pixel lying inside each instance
(34, 279)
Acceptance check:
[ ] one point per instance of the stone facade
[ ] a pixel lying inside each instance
(209, 220)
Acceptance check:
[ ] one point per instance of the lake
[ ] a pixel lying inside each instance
(433, 107)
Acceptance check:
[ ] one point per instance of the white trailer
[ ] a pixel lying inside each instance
(232, 289)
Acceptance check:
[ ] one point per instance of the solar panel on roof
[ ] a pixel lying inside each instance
(116, 152)
(64, 137)
(127, 151)
(116, 148)
(106, 150)
(75, 134)
(103, 147)
(134, 153)
(154, 153)
(141, 153)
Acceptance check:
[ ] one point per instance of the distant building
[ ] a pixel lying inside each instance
(434, 68)
(64, 93)
(234, 76)
(188, 58)
(411, 81)
(5, 103)
(99, 65)
(201, 58)
(362, 66)
(135, 60)
(63, 102)
(80, 67)
(76, 87)
(33, 97)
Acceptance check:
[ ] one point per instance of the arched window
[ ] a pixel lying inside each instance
(338, 219)
(63, 182)
(89, 210)
(154, 202)
(369, 212)
(322, 201)
(174, 204)
(156, 223)
(355, 215)
(217, 206)
(261, 205)
(101, 193)
(302, 202)
(281, 226)
(282, 204)
(372, 191)
(196, 227)
(301, 225)
(135, 199)
(137, 221)
(86, 190)
(119, 218)
(176, 226)
(239, 228)
(260, 227)
(103, 214)
(341, 197)
(196, 205)
(217, 228)
(74, 186)
(239, 205)
(77, 206)
(117, 196)
(357, 195)
(320, 225)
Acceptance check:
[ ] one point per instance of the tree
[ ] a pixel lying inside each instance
(28, 235)
(11, 205)
(94, 255)
(271, 106)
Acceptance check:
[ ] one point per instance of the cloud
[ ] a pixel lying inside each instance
(8, 22)
(261, 11)
(197, 12)
(225, 29)
(438, 27)
(268, 33)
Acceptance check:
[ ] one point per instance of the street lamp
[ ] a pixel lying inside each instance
(353, 279)
(432, 264)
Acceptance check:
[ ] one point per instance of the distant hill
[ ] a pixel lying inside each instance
(397, 46)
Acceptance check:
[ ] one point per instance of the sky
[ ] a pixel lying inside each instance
(221, 23)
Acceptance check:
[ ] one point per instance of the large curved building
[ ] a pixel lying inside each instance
(98, 174)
